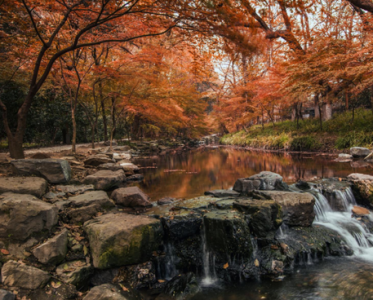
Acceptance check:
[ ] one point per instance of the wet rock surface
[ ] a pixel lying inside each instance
(263, 181)
(53, 170)
(359, 151)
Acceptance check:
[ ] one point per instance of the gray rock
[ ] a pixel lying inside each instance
(85, 206)
(121, 156)
(360, 177)
(97, 160)
(105, 179)
(15, 274)
(51, 195)
(6, 295)
(129, 168)
(122, 239)
(344, 155)
(52, 251)
(297, 208)
(122, 148)
(23, 185)
(222, 193)
(23, 215)
(75, 272)
(110, 166)
(53, 170)
(130, 197)
(105, 292)
(359, 151)
(165, 200)
(263, 181)
(74, 189)
(136, 177)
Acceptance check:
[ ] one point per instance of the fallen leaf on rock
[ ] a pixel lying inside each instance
(56, 285)
(161, 280)
(226, 266)
(256, 263)
(4, 251)
(99, 214)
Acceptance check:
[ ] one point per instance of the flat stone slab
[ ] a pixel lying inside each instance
(74, 189)
(53, 170)
(110, 166)
(24, 185)
(105, 179)
(97, 160)
(359, 177)
(54, 250)
(130, 197)
(20, 275)
(297, 207)
(122, 239)
(83, 207)
(129, 168)
(105, 292)
(222, 193)
(121, 156)
(23, 215)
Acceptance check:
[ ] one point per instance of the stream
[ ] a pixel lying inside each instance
(190, 174)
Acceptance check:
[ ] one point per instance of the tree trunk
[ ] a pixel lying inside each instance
(93, 137)
(15, 146)
(103, 111)
(346, 95)
(73, 142)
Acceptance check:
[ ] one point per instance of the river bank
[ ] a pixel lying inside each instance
(337, 135)
(82, 224)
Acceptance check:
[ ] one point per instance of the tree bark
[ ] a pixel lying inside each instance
(73, 142)
(104, 120)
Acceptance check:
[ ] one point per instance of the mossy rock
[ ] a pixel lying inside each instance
(123, 239)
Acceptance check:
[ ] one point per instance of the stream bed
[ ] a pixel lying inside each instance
(190, 174)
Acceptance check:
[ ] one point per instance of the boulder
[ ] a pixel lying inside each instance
(75, 272)
(263, 181)
(359, 152)
(343, 157)
(129, 168)
(23, 215)
(136, 177)
(227, 233)
(105, 291)
(6, 295)
(362, 185)
(52, 251)
(97, 160)
(297, 208)
(17, 274)
(141, 276)
(121, 156)
(84, 206)
(74, 189)
(265, 215)
(105, 179)
(222, 193)
(122, 239)
(110, 166)
(23, 185)
(130, 197)
(53, 170)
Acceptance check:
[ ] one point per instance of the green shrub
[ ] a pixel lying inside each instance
(304, 143)
(354, 139)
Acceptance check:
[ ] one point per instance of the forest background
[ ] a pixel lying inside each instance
(83, 71)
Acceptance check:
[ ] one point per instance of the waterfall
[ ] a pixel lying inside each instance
(282, 231)
(170, 265)
(355, 234)
(208, 259)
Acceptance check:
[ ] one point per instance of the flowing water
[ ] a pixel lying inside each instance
(189, 174)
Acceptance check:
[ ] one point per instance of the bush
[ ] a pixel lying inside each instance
(354, 139)
(304, 143)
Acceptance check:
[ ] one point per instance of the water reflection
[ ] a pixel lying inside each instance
(335, 278)
(190, 174)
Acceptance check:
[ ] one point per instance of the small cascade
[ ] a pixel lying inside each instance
(170, 265)
(356, 235)
(282, 231)
(208, 258)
